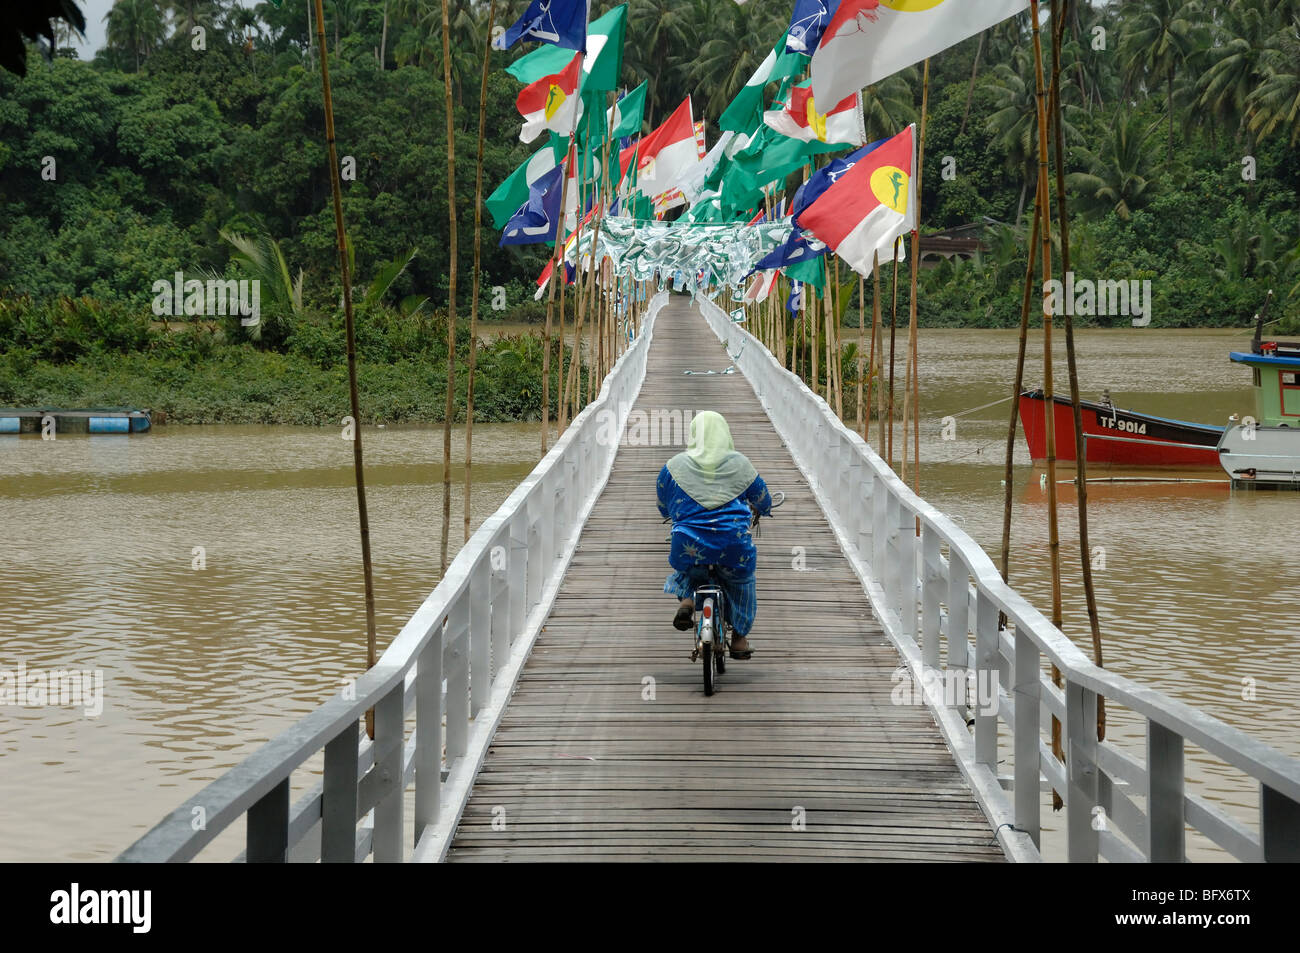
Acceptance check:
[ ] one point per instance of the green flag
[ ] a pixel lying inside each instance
(809, 272)
(600, 67)
(513, 192)
(626, 116)
(746, 111)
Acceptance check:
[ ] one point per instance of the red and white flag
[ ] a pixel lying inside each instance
(867, 40)
(801, 120)
(552, 102)
(870, 205)
(669, 154)
(761, 286)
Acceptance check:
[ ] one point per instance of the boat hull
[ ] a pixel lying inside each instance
(1261, 456)
(1119, 438)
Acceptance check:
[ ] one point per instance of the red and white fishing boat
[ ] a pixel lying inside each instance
(1119, 438)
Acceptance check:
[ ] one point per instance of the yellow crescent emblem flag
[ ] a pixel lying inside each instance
(889, 185)
(816, 120)
(554, 100)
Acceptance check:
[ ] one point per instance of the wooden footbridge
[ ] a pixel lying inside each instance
(539, 705)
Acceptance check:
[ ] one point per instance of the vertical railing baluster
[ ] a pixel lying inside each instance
(1027, 690)
(1080, 743)
(517, 572)
(1166, 817)
(428, 733)
(500, 602)
(908, 577)
(266, 840)
(931, 579)
(986, 680)
(456, 654)
(389, 735)
(880, 495)
(958, 611)
(338, 835)
(480, 634)
(866, 517)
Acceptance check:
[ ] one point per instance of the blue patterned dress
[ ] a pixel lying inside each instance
(717, 537)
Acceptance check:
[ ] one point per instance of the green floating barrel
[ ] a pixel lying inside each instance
(108, 424)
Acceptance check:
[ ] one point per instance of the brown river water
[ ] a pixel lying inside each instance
(202, 665)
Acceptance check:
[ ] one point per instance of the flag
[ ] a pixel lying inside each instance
(513, 192)
(867, 40)
(825, 177)
(807, 22)
(797, 248)
(551, 103)
(560, 22)
(600, 67)
(761, 287)
(669, 154)
(746, 111)
(627, 114)
(870, 205)
(799, 118)
(538, 218)
(794, 303)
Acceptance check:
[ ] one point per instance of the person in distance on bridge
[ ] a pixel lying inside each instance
(708, 491)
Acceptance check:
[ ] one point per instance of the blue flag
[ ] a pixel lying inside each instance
(807, 23)
(537, 219)
(797, 249)
(825, 177)
(794, 303)
(559, 22)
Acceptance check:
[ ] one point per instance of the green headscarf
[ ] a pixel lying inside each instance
(711, 472)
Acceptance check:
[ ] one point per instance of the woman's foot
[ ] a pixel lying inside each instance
(740, 648)
(683, 620)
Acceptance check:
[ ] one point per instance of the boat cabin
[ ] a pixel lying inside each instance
(1275, 369)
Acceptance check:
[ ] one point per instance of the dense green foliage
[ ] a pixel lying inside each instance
(122, 171)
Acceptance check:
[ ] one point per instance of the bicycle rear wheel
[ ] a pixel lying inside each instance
(710, 659)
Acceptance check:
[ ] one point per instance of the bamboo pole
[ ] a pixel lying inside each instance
(478, 242)
(450, 409)
(862, 317)
(1044, 202)
(877, 361)
(358, 469)
(916, 265)
(893, 327)
(557, 277)
(813, 348)
(1059, 8)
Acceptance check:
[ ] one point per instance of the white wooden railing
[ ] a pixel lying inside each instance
(475, 630)
(928, 601)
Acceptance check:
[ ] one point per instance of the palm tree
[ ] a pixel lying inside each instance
(1159, 37)
(1240, 32)
(1012, 125)
(136, 27)
(1275, 103)
(889, 105)
(1120, 175)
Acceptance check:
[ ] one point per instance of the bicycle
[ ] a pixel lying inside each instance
(712, 631)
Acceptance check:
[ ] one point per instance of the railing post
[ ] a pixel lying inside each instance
(267, 836)
(986, 680)
(338, 835)
(908, 580)
(958, 611)
(1279, 826)
(456, 654)
(866, 512)
(930, 581)
(1028, 697)
(1080, 745)
(880, 495)
(500, 602)
(428, 733)
(480, 634)
(1166, 817)
(517, 572)
(388, 761)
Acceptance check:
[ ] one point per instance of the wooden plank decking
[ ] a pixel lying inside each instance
(586, 766)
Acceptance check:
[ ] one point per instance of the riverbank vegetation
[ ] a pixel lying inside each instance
(1182, 120)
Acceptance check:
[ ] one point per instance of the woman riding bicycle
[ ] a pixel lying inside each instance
(708, 491)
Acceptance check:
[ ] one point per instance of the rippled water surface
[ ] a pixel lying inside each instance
(201, 666)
